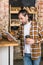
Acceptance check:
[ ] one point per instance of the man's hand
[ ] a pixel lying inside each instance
(9, 38)
(30, 41)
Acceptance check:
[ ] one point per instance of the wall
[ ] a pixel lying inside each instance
(39, 5)
(4, 20)
(4, 15)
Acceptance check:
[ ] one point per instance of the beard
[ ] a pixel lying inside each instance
(24, 23)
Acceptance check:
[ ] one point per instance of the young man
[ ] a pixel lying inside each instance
(30, 34)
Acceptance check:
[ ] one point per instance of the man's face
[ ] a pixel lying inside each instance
(22, 18)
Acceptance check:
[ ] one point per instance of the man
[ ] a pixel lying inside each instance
(30, 34)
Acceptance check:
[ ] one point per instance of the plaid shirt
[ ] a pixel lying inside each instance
(36, 33)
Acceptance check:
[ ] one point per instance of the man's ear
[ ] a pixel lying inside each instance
(26, 16)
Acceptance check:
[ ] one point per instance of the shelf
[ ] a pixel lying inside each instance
(16, 12)
(14, 24)
(4, 43)
(31, 10)
(14, 9)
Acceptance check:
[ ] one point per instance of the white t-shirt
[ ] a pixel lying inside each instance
(27, 47)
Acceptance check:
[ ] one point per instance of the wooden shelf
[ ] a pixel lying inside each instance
(14, 12)
(14, 24)
(8, 43)
(31, 10)
(14, 9)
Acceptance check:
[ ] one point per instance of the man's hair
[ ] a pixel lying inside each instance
(24, 12)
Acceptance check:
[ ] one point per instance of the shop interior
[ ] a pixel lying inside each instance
(11, 51)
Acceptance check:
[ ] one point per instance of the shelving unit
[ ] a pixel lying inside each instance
(15, 10)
